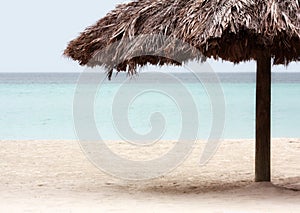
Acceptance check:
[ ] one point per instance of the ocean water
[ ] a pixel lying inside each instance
(39, 106)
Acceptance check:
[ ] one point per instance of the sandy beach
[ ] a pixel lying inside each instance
(48, 176)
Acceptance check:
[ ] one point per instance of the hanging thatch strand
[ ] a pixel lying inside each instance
(233, 30)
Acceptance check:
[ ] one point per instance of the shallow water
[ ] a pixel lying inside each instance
(40, 106)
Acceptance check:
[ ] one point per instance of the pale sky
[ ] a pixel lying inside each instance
(34, 34)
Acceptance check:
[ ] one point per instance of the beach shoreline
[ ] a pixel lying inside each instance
(56, 175)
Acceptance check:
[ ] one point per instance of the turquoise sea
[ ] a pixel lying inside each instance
(40, 106)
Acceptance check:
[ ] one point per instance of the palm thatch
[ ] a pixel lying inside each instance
(233, 30)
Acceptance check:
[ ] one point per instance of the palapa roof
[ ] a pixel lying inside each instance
(233, 30)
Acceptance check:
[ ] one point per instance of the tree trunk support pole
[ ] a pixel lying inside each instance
(263, 120)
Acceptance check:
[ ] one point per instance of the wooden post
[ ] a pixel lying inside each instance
(263, 120)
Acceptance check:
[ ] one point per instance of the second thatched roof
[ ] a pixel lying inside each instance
(233, 30)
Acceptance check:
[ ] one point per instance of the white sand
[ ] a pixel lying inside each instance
(51, 176)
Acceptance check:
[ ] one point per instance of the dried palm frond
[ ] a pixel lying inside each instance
(233, 30)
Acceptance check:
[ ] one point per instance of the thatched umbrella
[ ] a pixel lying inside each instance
(233, 30)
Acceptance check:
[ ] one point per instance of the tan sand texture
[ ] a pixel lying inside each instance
(48, 176)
